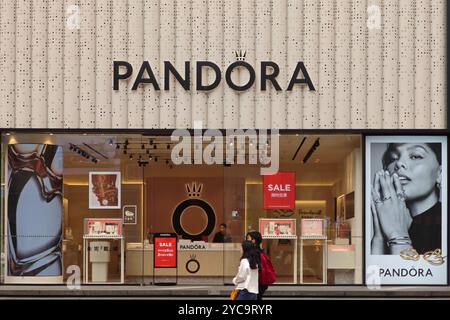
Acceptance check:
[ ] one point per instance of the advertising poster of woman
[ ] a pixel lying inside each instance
(406, 209)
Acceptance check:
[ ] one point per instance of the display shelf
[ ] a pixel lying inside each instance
(313, 237)
(95, 237)
(279, 237)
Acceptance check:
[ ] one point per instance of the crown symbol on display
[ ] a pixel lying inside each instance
(240, 55)
(194, 190)
(193, 256)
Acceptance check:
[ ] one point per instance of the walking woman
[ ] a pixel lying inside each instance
(246, 280)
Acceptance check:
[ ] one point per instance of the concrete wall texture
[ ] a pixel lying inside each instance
(374, 63)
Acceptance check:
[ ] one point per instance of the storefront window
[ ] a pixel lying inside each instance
(90, 205)
(314, 236)
(2, 204)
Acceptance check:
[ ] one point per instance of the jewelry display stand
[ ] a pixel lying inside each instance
(323, 240)
(314, 229)
(86, 239)
(281, 229)
(294, 279)
(103, 230)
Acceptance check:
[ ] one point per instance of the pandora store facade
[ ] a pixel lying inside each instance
(131, 132)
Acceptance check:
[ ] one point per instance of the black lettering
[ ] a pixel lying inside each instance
(411, 274)
(269, 77)
(230, 82)
(170, 69)
(118, 76)
(306, 80)
(145, 67)
(199, 70)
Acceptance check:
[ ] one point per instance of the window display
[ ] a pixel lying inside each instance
(277, 228)
(109, 206)
(103, 227)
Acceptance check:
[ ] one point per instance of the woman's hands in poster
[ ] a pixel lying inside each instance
(391, 217)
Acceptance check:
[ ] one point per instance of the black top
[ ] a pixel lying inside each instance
(219, 237)
(425, 230)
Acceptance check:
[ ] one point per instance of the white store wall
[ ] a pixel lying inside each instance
(55, 75)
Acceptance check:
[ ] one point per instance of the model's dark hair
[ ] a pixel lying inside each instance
(435, 147)
(250, 253)
(255, 235)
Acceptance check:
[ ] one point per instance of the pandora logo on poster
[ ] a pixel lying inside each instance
(269, 72)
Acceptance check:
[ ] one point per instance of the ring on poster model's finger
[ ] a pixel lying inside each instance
(387, 198)
(377, 200)
(401, 196)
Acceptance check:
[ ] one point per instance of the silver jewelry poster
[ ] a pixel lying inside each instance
(35, 210)
(406, 210)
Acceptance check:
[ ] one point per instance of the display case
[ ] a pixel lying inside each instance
(281, 236)
(313, 251)
(97, 238)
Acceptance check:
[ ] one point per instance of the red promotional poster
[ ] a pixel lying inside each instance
(165, 254)
(279, 191)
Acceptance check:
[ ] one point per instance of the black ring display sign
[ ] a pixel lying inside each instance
(190, 268)
(179, 210)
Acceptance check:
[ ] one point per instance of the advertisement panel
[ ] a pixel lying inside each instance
(165, 251)
(35, 210)
(104, 190)
(406, 210)
(279, 191)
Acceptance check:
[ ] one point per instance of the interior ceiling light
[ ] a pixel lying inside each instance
(299, 147)
(83, 153)
(311, 150)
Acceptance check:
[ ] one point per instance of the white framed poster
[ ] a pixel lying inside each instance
(104, 190)
(406, 210)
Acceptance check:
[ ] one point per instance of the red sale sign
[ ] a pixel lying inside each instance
(279, 191)
(165, 252)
